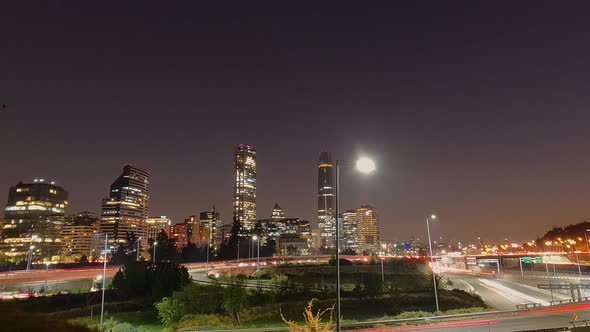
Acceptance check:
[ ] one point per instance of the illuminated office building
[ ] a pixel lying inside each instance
(326, 221)
(368, 228)
(157, 224)
(126, 209)
(180, 235)
(79, 235)
(209, 224)
(244, 202)
(34, 216)
(277, 213)
(350, 233)
(194, 232)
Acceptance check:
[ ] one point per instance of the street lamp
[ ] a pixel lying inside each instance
(364, 165)
(104, 277)
(432, 217)
(138, 241)
(255, 238)
(30, 254)
(30, 257)
(154, 255)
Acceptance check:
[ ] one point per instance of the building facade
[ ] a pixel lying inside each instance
(277, 213)
(79, 236)
(33, 219)
(326, 191)
(180, 235)
(350, 230)
(126, 209)
(368, 228)
(157, 224)
(210, 221)
(244, 202)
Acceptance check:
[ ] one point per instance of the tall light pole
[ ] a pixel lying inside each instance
(104, 278)
(138, 241)
(30, 254)
(363, 165)
(431, 261)
(255, 238)
(154, 255)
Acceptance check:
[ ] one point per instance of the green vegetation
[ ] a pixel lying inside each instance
(407, 288)
(150, 281)
(150, 298)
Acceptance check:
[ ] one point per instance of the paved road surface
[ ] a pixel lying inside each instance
(502, 294)
(540, 319)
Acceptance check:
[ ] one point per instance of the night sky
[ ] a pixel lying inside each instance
(476, 112)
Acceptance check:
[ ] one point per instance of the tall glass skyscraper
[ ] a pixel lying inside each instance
(126, 209)
(244, 205)
(326, 221)
(34, 216)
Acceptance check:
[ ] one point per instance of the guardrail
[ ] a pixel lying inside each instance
(581, 299)
(528, 306)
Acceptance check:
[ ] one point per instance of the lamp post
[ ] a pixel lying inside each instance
(30, 257)
(433, 217)
(30, 254)
(363, 165)
(104, 277)
(255, 238)
(138, 241)
(154, 255)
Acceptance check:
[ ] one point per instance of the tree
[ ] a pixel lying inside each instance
(127, 251)
(149, 280)
(229, 247)
(166, 250)
(235, 298)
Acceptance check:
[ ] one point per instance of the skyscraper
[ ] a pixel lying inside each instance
(209, 222)
(350, 230)
(34, 216)
(126, 209)
(244, 205)
(326, 220)
(368, 228)
(277, 213)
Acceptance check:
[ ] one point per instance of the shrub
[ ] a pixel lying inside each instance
(213, 320)
(170, 310)
(414, 314)
(313, 322)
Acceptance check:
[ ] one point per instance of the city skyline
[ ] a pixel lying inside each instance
(478, 115)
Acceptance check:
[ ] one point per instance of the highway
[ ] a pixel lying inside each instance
(544, 318)
(502, 294)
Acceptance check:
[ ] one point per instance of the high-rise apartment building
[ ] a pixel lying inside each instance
(34, 216)
(326, 221)
(244, 202)
(368, 228)
(126, 209)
